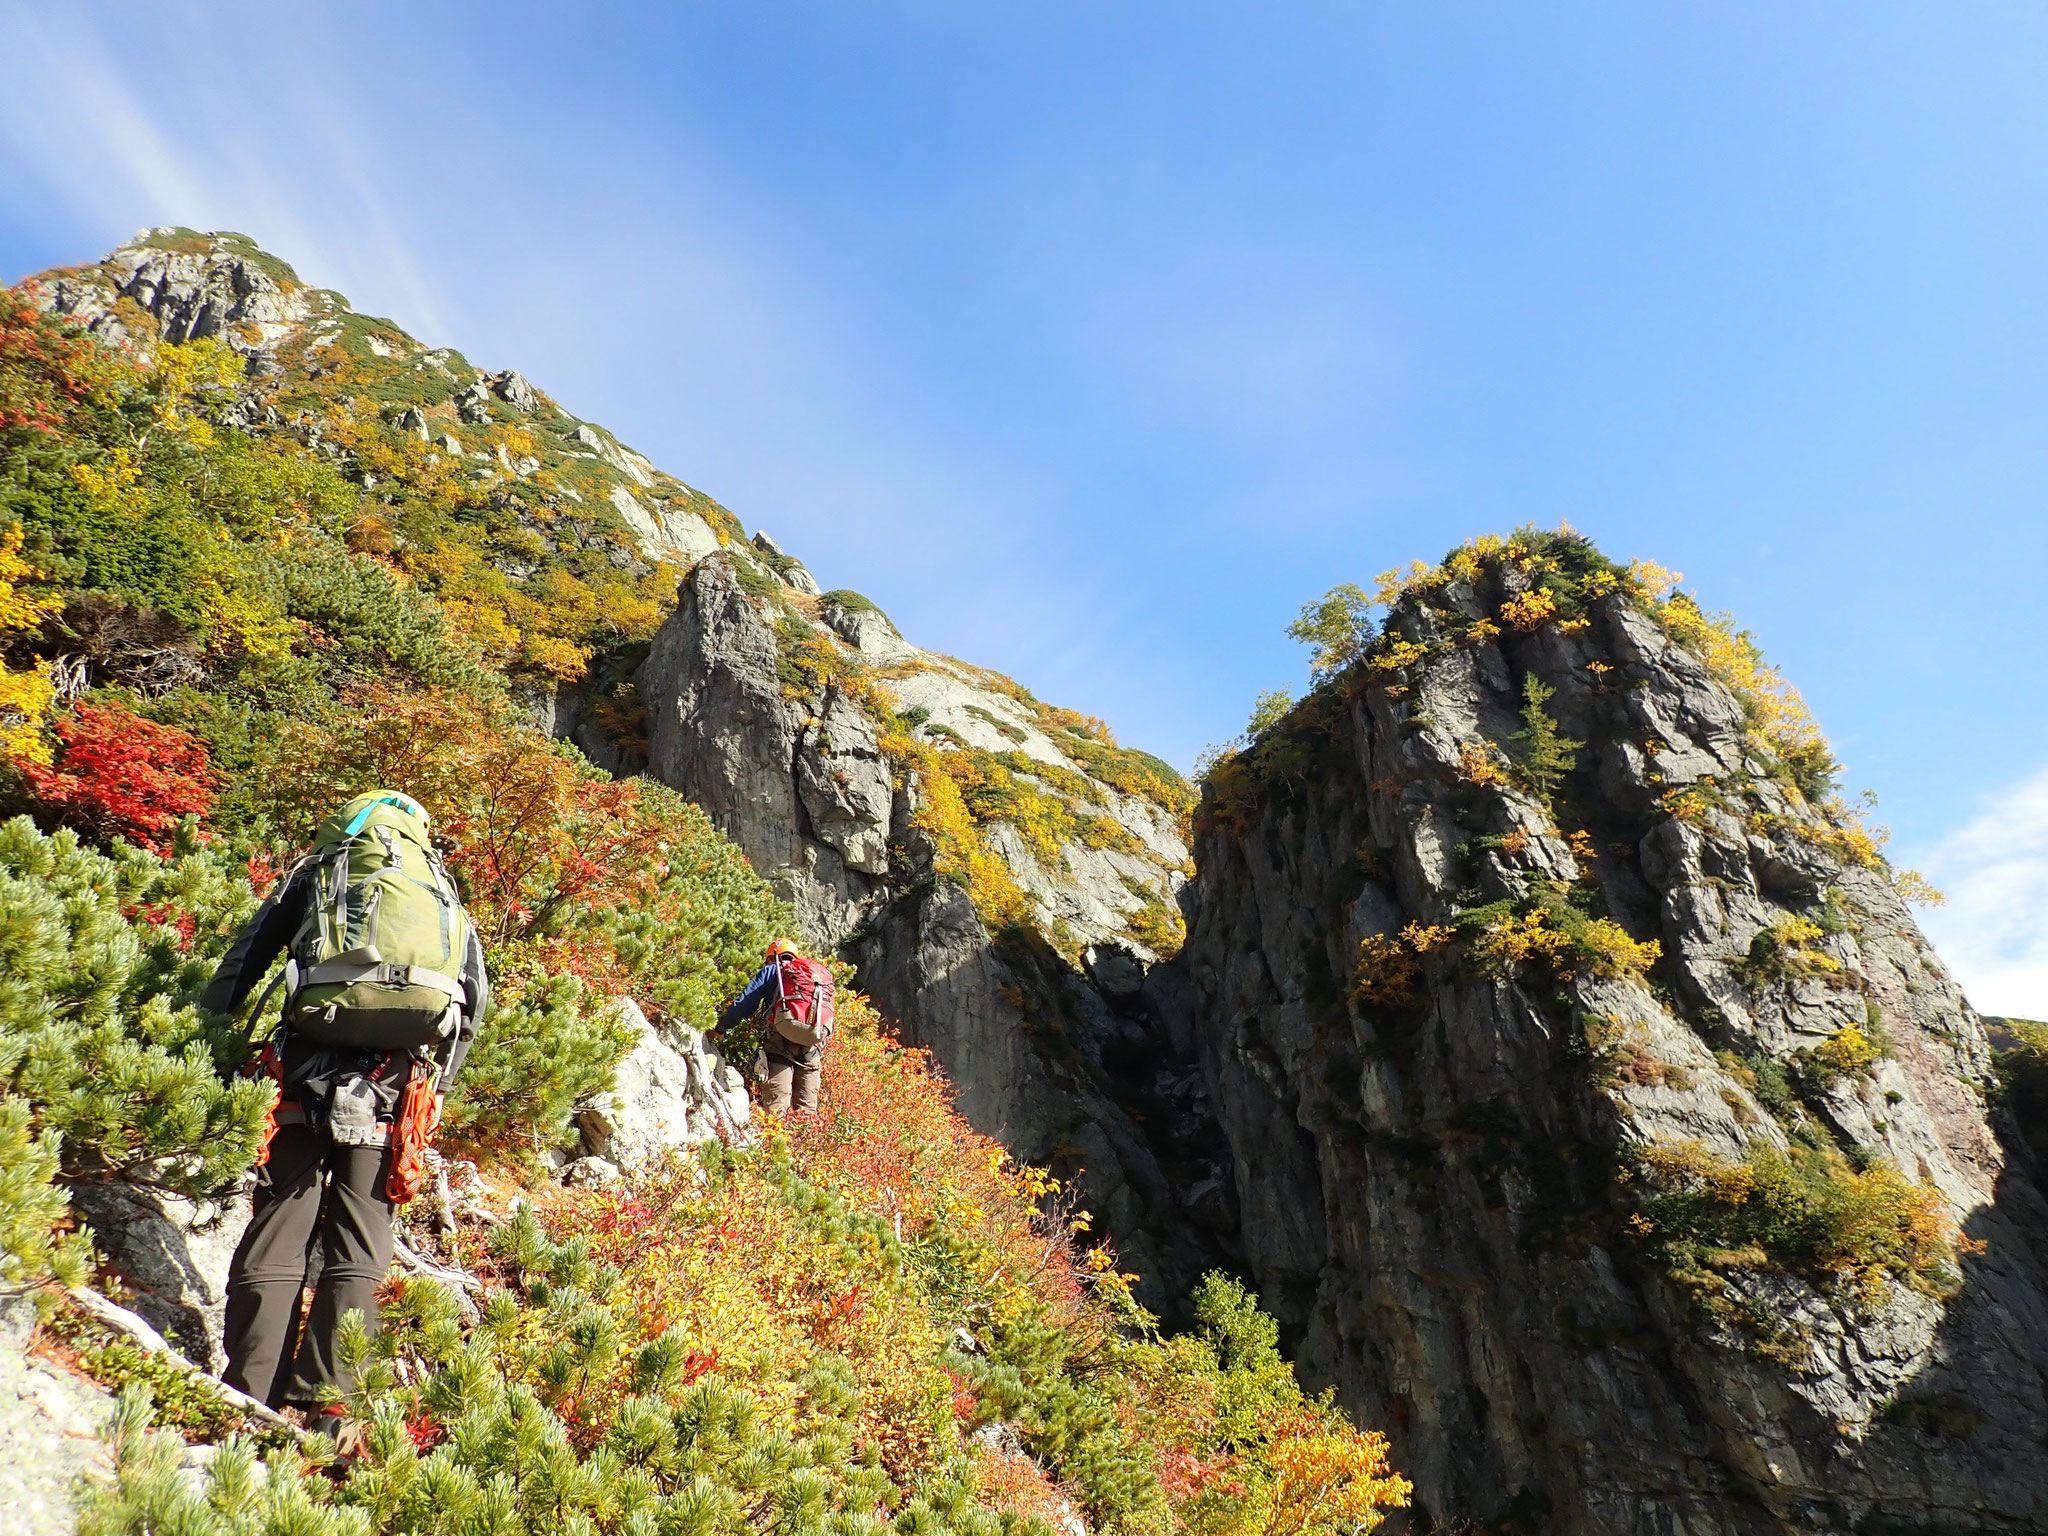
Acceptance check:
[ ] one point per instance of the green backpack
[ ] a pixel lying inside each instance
(377, 963)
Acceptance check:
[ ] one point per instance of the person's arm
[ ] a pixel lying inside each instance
(477, 981)
(748, 1002)
(262, 939)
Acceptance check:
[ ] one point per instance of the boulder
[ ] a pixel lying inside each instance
(473, 405)
(591, 1173)
(174, 1256)
(1115, 970)
(788, 570)
(671, 1090)
(512, 388)
(867, 629)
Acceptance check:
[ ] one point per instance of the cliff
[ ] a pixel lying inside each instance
(1001, 871)
(1598, 1108)
(1524, 1013)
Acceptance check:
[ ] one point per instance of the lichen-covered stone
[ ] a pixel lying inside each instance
(1062, 1060)
(1432, 1196)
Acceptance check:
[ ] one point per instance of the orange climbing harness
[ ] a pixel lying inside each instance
(268, 1065)
(419, 1117)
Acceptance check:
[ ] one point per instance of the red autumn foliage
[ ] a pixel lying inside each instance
(165, 915)
(47, 370)
(425, 1432)
(119, 775)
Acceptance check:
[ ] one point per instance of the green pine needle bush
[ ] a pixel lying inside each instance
(100, 955)
(31, 1205)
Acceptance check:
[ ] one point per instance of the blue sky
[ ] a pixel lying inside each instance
(1092, 340)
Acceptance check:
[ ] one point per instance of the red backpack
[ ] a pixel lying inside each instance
(802, 1009)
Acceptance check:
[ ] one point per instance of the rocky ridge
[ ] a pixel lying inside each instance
(316, 367)
(1389, 1075)
(998, 870)
(1458, 1079)
(1001, 871)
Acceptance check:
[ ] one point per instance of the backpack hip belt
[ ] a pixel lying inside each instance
(295, 1114)
(348, 973)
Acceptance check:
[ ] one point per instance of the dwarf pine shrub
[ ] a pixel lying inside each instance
(31, 1205)
(100, 955)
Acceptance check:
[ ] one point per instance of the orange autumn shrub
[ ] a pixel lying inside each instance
(886, 1243)
(1015, 1484)
(889, 1141)
(736, 1268)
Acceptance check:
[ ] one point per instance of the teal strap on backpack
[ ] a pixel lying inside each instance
(405, 803)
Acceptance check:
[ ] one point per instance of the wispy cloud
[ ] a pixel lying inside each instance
(115, 135)
(1994, 931)
(620, 271)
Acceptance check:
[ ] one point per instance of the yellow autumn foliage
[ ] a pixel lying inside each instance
(1334, 1483)
(1530, 609)
(26, 695)
(963, 855)
(1384, 973)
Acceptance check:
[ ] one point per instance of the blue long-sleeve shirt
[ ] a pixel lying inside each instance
(757, 994)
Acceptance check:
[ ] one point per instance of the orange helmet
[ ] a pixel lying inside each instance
(781, 947)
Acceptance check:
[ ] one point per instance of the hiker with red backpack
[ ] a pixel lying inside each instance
(384, 987)
(793, 994)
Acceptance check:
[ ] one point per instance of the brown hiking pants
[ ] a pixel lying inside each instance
(788, 1077)
(318, 1207)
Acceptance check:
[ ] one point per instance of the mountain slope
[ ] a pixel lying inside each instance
(1603, 1121)
(256, 553)
(1549, 1043)
(1002, 871)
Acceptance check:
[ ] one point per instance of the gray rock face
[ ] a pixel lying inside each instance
(1429, 1191)
(667, 533)
(868, 631)
(1066, 1064)
(225, 289)
(1064, 1075)
(174, 1256)
(804, 792)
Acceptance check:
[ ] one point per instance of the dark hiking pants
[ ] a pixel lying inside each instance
(786, 1077)
(317, 1207)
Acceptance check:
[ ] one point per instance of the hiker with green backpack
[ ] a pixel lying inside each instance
(384, 986)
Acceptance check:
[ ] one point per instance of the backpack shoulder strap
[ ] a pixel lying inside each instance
(339, 899)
